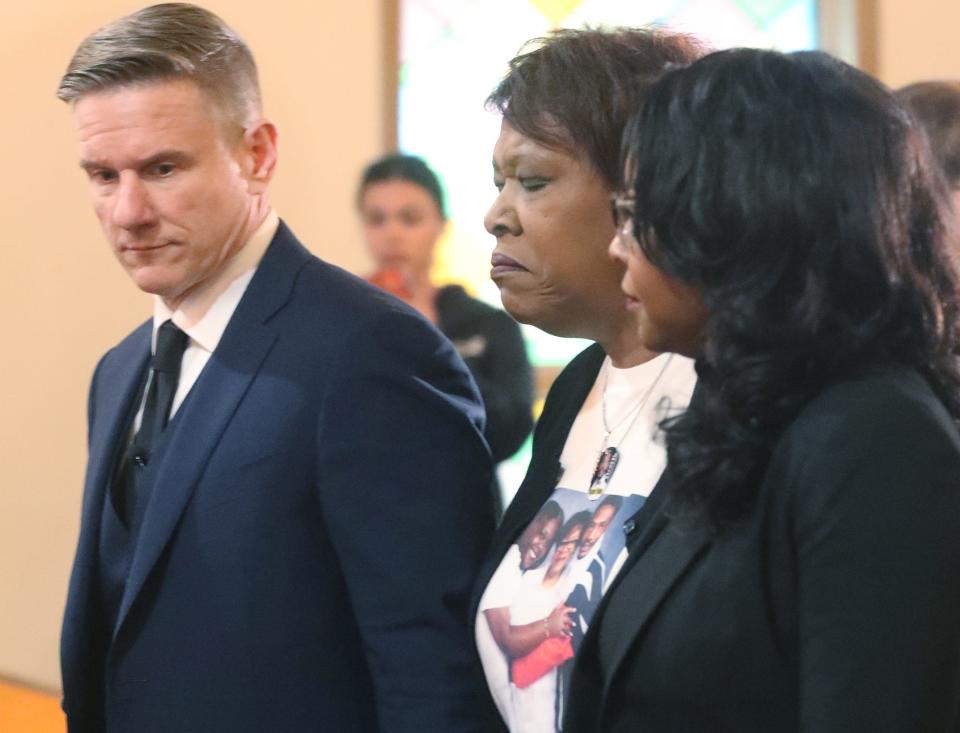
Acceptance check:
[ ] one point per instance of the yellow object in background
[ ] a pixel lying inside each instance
(26, 711)
(556, 11)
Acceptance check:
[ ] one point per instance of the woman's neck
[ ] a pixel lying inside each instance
(624, 348)
(423, 294)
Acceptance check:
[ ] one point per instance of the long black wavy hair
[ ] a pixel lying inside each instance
(794, 193)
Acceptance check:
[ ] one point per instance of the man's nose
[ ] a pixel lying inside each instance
(132, 206)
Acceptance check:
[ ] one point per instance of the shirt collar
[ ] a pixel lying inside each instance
(204, 314)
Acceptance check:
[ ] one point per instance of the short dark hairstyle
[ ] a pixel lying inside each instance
(791, 192)
(573, 90)
(399, 167)
(936, 105)
(166, 42)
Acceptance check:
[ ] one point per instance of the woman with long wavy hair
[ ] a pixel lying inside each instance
(798, 569)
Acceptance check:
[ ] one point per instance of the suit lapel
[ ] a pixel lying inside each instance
(659, 556)
(641, 586)
(219, 390)
(213, 400)
(118, 382)
(116, 386)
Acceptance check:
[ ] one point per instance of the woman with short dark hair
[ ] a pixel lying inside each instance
(799, 571)
(564, 102)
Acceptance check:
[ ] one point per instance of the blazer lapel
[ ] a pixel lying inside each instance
(212, 402)
(118, 382)
(659, 557)
(116, 385)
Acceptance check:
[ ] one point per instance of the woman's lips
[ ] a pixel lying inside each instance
(500, 264)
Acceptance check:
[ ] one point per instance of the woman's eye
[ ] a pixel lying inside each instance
(532, 183)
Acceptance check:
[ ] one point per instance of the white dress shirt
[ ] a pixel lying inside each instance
(204, 314)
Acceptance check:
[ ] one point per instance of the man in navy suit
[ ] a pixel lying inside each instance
(287, 492)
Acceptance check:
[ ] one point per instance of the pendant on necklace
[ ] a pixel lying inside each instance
(603, 472)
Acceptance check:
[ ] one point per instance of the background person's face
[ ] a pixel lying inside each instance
(401, 226)
(171, 194)
(536, 541)
(552, 222)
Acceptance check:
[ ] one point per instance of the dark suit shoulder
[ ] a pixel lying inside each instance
(871, 450)
(852, 419)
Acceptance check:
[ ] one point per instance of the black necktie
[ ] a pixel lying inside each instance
(164, 376)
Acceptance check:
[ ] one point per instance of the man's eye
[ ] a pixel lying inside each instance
(498, 184)
(103, 176)
(164, 169)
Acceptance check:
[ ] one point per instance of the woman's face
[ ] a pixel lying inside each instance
(401, 226)
(671, 314)
(565, 548)
(552, 223)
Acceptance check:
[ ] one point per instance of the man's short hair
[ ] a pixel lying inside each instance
(574, 90)
(936, 106)
(167, 42)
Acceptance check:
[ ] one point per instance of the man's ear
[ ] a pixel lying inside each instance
(260, 154)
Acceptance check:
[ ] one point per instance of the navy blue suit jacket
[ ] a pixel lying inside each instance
(317, 521)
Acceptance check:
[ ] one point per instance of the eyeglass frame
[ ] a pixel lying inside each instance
(622, 211)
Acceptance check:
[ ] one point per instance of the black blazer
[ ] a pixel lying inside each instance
(306, 558)
(833, 608)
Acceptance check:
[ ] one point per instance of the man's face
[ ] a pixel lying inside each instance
(172, 194)
(594, 531)
(536, 541)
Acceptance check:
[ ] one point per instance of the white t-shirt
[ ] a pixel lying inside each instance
(637, 399)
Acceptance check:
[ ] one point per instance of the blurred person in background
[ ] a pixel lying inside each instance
(936, 106)
(401, 206)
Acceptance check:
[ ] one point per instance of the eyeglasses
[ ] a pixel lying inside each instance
(622, 209)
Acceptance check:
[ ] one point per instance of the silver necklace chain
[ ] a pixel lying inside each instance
(632, 414)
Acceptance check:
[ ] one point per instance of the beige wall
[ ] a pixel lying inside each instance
(918, 39)
(64, 300)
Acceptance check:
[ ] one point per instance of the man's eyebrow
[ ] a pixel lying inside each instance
(177, 157)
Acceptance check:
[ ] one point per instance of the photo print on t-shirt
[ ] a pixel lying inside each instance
(539, 603)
